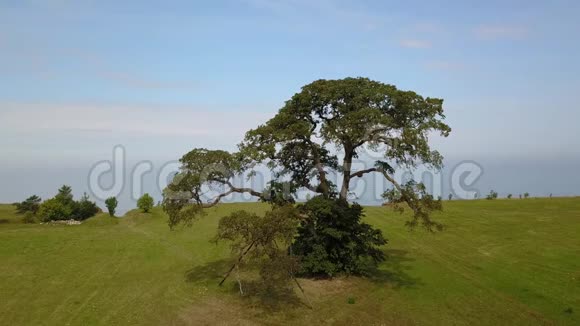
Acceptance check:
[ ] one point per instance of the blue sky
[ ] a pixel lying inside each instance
(161, 77)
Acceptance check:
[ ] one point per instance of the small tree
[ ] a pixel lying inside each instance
(31, 204)
(492, 195)
(111, 203)
(263, 242)
(64, 195)
(145, 203)
(509, 196)
(526, 195)
(450, 196)
(520, 196)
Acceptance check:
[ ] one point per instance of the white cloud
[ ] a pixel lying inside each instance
(492, 32)
(415, 44)
(39, 118)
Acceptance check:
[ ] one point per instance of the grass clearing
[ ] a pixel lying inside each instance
(503, 262)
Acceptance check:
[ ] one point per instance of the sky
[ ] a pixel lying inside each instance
(159, 78)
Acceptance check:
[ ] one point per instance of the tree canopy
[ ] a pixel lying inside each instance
(319, 131)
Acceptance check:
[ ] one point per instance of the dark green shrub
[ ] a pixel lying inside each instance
(332, 239)
(31, 204)
(111, 203)
(84, 209)
(509, 196)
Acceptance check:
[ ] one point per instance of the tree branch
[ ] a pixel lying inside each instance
(363, 172)
(233, 189)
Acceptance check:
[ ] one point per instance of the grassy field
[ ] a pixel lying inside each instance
(502, 262)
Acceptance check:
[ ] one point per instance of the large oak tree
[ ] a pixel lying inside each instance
(319, 131)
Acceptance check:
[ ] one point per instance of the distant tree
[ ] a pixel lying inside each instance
(31, 204)
(509, 196)
(145, 203)
(64, 195)
(492, 195)
(520, 196)
(550, 195)
(111, 203)
(450, 196)
(476, 195)
(526, 195)
(85, 208)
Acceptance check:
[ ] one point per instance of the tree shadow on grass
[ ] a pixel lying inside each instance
(255, 294)
(210, 272)
(4, 221)
(395, 270)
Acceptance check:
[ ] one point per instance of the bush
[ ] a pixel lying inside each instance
(31, 204)
(29, 218)
(492, 195)
(54, 210)
(509, 196)
(332, 239)
(64, 207)
(526, 195)
(111, 203)
(85, 209)
(145, 203)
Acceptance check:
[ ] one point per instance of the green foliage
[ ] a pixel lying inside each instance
(492, 195)
(351, 300)
(263, 242)
(54, 209)
(29, 218)
(450, 196)
(332, 239)
(31, 204)
(526, 195)
(64, 207)
(348, 114)
(111, 204)
(415, 196)
(145, 203)
(509, 196)
(84, 208)
(64, 195)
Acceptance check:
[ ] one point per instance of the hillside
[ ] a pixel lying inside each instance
(508, 262)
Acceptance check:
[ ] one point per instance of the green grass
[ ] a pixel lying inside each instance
(502, 262)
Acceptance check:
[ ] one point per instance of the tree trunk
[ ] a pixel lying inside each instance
(346, 166)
